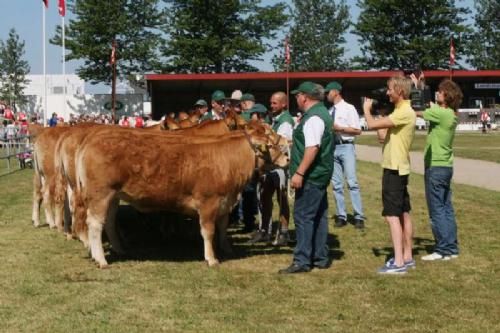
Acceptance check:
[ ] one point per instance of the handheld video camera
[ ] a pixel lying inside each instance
(420, 98)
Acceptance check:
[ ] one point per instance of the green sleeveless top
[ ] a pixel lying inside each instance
(320, 171)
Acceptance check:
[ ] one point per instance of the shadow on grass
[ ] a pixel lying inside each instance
(420, 246)
(164, 236)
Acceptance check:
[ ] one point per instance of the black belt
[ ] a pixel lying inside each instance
(344, 142)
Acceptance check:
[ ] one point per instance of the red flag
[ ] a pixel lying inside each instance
(46, 2)
(62, 7)
(452, 52)
(287, 51)
(113, 53)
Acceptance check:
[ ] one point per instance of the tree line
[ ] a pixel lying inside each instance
(223, 36)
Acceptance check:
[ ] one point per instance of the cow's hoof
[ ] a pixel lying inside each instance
(103, 266)
(213, 263)
(35, 224)
(69, 236)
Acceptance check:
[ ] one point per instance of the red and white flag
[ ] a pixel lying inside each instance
(113, 53)
(62, 7)
(452, 52)
(287, 51)
(46, 2)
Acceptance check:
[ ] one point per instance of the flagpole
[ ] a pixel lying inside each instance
(64, 64)
(287, 63)
(44, 69)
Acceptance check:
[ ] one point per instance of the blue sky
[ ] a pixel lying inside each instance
(26, 17)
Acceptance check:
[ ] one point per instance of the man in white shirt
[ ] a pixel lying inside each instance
(346, 126)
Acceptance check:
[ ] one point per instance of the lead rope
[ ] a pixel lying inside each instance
(290, 190)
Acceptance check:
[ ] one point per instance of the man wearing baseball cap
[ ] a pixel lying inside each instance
(311, 168)
(201, 106)
(247, 103)
(218, 99)
(346, 126)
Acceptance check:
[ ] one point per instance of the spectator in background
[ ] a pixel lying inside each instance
(438, 160)
(396, 131)
(139, 122)
(53, 120)
(8, 113)
(484, 120)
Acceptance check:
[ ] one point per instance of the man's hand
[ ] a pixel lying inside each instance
(297, 181)
(367, 105)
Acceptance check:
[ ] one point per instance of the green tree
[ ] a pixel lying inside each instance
(484, 45)
(403, 34)
(134, 24)
(13, 70)
(215, 36)
(316, 36)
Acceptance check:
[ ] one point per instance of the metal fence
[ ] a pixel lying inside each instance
(15, 154)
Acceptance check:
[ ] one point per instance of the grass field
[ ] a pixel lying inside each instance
(48, 284)
(476, 146)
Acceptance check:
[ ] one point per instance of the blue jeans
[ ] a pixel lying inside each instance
(441, 213)
(311, 226)
(344, 163)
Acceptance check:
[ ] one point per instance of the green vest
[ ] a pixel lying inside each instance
(284, 117)
(246, 115)
(207, 116)
(320, 171)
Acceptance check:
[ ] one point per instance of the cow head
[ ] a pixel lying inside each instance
(269, 154)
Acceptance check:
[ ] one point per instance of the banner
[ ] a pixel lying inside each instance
(46, 2)
(452, 52)
(62, 7)
(287, 52)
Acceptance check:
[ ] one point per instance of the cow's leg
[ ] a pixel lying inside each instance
(110, 227)
(79, 227)
(59, 199)
(68, 212)
(48, 204)
(208, 215)
(95, 223)
(224, 244)
(37, 199)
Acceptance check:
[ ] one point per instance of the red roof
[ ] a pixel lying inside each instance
(314, 75)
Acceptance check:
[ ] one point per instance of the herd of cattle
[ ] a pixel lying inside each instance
(198, 171)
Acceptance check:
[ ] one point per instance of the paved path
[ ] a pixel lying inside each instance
(466, 171)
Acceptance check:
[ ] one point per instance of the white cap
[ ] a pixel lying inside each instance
(236, 95)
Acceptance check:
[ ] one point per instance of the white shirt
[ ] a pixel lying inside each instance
(346, 116)
(285, 129)
(314, 128)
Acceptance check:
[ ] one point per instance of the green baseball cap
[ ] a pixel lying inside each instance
(306, 87)
(247, 97)
(201, 102)
(334, 85)
(258, 108)
(218, 96)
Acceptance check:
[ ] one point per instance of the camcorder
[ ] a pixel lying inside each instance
(420, 98)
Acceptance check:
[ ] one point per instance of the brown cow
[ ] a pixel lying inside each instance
(201, 179)
(43, 178)
(65, 167)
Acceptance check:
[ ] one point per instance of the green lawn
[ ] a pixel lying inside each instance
(48, 284)
(467, 145)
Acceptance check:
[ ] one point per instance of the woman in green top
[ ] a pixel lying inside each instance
(438, 156)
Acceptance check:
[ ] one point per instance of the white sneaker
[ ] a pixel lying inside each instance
(436, 256)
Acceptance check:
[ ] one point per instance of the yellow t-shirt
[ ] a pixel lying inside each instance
(396, 149)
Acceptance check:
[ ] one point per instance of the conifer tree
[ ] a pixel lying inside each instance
(13, 70)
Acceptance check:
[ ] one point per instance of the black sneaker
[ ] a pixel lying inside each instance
(294, 268)
(359, 224)
(340, 222)
(259, 236)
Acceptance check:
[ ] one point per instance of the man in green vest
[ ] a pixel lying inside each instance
(311, 168)
(217, 112)
(201, 106)
(247, 103)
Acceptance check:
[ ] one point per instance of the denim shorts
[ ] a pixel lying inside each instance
(395, 196)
